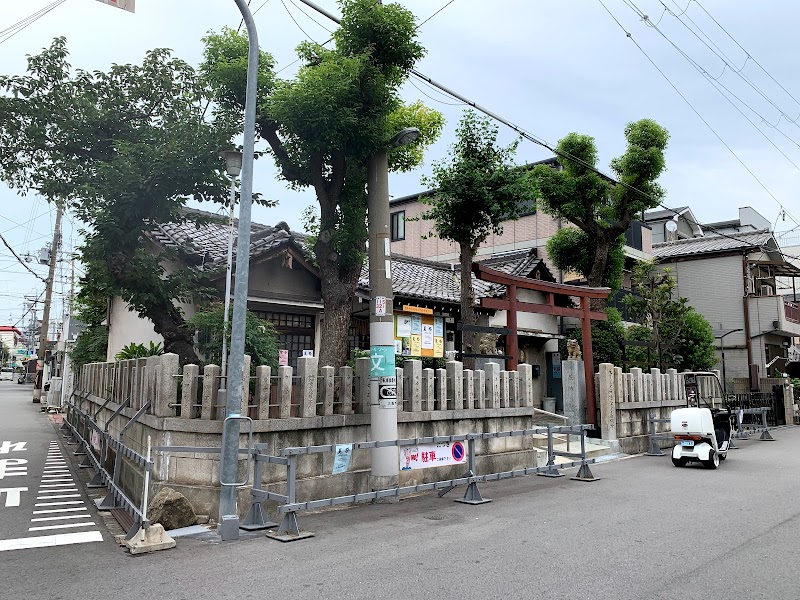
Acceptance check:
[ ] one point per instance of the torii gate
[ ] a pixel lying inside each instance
(510, 304)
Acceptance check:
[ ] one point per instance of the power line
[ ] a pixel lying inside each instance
(436, 13)
(22, 262)
(10, 32)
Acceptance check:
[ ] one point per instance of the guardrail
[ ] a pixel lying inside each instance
(742, 432)
(289, 529)
(84, 431)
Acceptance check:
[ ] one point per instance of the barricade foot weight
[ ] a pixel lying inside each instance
(254, 520)
(96, 481)
(86, 464)
(766, 436)
(289, 531)
(473, 496)
(585, 474)
(149, 540)
(551, 472)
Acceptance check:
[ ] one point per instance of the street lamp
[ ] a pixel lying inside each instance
(233, 166)
(383, 384)
(229, 453)
(721, 338)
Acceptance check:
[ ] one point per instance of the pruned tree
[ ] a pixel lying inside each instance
(588, 200)
(121, 149)
(324, 124)
(478, 188)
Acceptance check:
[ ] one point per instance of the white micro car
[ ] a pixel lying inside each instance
(7, 374)
(702, 430)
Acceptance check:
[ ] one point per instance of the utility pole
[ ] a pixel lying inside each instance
(48, 296)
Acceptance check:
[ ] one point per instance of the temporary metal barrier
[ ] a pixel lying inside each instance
(289, 529)
(743, 427)
(654, 438)
(82, 431)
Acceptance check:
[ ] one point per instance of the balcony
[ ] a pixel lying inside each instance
(771, 314)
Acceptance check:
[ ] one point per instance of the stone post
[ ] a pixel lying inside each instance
(168, 389)
(399, 379)
(263, 384)
(492, 371)
(455, 385)
(479, 383)
(638, 385)
(608, 402)
(189, 390)
(245, 406)
(525, 385)
(469, 389)
(284, 392)
(362, 386)
(210, 387)
(788, 402)
(573, 382)
(440, 394)
(346, 389)
(307, 372)
(513, 389)
(505, 390)
(672, 384)
(658, 392)
(412, 373)
(427, 389)
(327, 389)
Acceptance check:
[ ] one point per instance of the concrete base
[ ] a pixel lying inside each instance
(149, 540)
(290, 537)
(378, 483)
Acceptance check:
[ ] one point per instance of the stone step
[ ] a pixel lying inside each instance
(593, 450)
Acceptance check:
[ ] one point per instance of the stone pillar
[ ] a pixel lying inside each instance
(513, 388)
(412, 374)
(307, 372)
(189, 390)
(284, 392)
(362, 386)
(167, 391)
(455, 385)
(672, 384)
(427, 389)
(608, 402)
(469, 389)
(637, 387)
(327, 389)
(346, 389)
(441, 389)
(525, 382)
(492, 371)
(505, 390)
(244, 409)
(788, 402)
(658, 392)
(573, 382)
(479, 380)
(398, 374)
(210, 387)
(263, 385)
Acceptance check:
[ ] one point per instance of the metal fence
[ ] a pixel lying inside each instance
(773, 401)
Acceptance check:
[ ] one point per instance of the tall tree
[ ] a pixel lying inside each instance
(324, 124)
(589, 201)
(121, 149)
(477, 188)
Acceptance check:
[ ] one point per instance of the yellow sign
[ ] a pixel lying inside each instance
(416, 345)
(438, 347)
(417, 309)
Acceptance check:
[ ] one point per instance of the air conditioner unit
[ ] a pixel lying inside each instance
(766, 290)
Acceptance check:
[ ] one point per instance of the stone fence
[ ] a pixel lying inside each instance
(302, 407)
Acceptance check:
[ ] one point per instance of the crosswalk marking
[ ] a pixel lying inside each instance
(58, 503)
(58, 510)
(38, 519)
(44, 541)
(59, 496)
(46, 527)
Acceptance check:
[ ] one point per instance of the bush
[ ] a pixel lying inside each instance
(696, 343)
(134, 350)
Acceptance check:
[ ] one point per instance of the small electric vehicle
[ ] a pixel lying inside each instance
(703, 429)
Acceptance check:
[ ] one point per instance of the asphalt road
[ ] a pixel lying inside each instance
(645, 530)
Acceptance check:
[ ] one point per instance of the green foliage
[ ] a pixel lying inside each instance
(91, 346)
(606, 340)
(589, 201)
(355, 354)
(696, 343)
(134, 350)
(260, 339)
(637, 356)
(567, 251)
(323, 125)
(122, 149)
(478, 187)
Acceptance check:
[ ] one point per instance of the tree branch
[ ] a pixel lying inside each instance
(289, 170)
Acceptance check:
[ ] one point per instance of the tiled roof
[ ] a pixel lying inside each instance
(209, 236)
(429, 280)
(712, 243)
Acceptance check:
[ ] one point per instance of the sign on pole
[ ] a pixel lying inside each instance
(424, 456)
(129, 5)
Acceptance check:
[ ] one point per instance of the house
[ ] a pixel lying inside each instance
(731, 278)
(14, 340)
(671, 224)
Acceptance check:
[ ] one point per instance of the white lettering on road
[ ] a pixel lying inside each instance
(11, 467)
(12, 495)
(7, 447)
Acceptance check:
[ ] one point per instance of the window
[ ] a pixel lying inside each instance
(295, 332)
(398, 225)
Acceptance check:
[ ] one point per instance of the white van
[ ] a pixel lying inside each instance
(6, 373)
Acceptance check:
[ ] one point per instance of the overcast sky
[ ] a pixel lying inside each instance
(549, 67)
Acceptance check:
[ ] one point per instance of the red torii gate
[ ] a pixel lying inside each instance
(511, 305)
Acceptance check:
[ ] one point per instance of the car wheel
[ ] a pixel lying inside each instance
(713, 460)
(680, 462)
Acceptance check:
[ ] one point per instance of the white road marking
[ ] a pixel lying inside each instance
(58, 491)
(7, 447)
(61, 518)
(66, 526)
(12, 495)
(44, 541)
(55, 470)
(54, 485)
(58, 503)
(57, 510)
(56, 496)
(55, 479)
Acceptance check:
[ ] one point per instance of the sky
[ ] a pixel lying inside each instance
(549, 67)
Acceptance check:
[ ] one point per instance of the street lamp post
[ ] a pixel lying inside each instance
(233, 166)
(228, 511)
(721, 338)
(383, 384)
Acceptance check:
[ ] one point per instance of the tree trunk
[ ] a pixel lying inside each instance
(338, 290)
(169, 324)
(597, 274)
(469, 339)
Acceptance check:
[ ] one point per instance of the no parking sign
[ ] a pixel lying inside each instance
(424, 456)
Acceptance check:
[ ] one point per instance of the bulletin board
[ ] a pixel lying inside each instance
(418, 335)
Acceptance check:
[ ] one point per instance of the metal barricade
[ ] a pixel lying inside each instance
(289, 529)
(743, 427)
